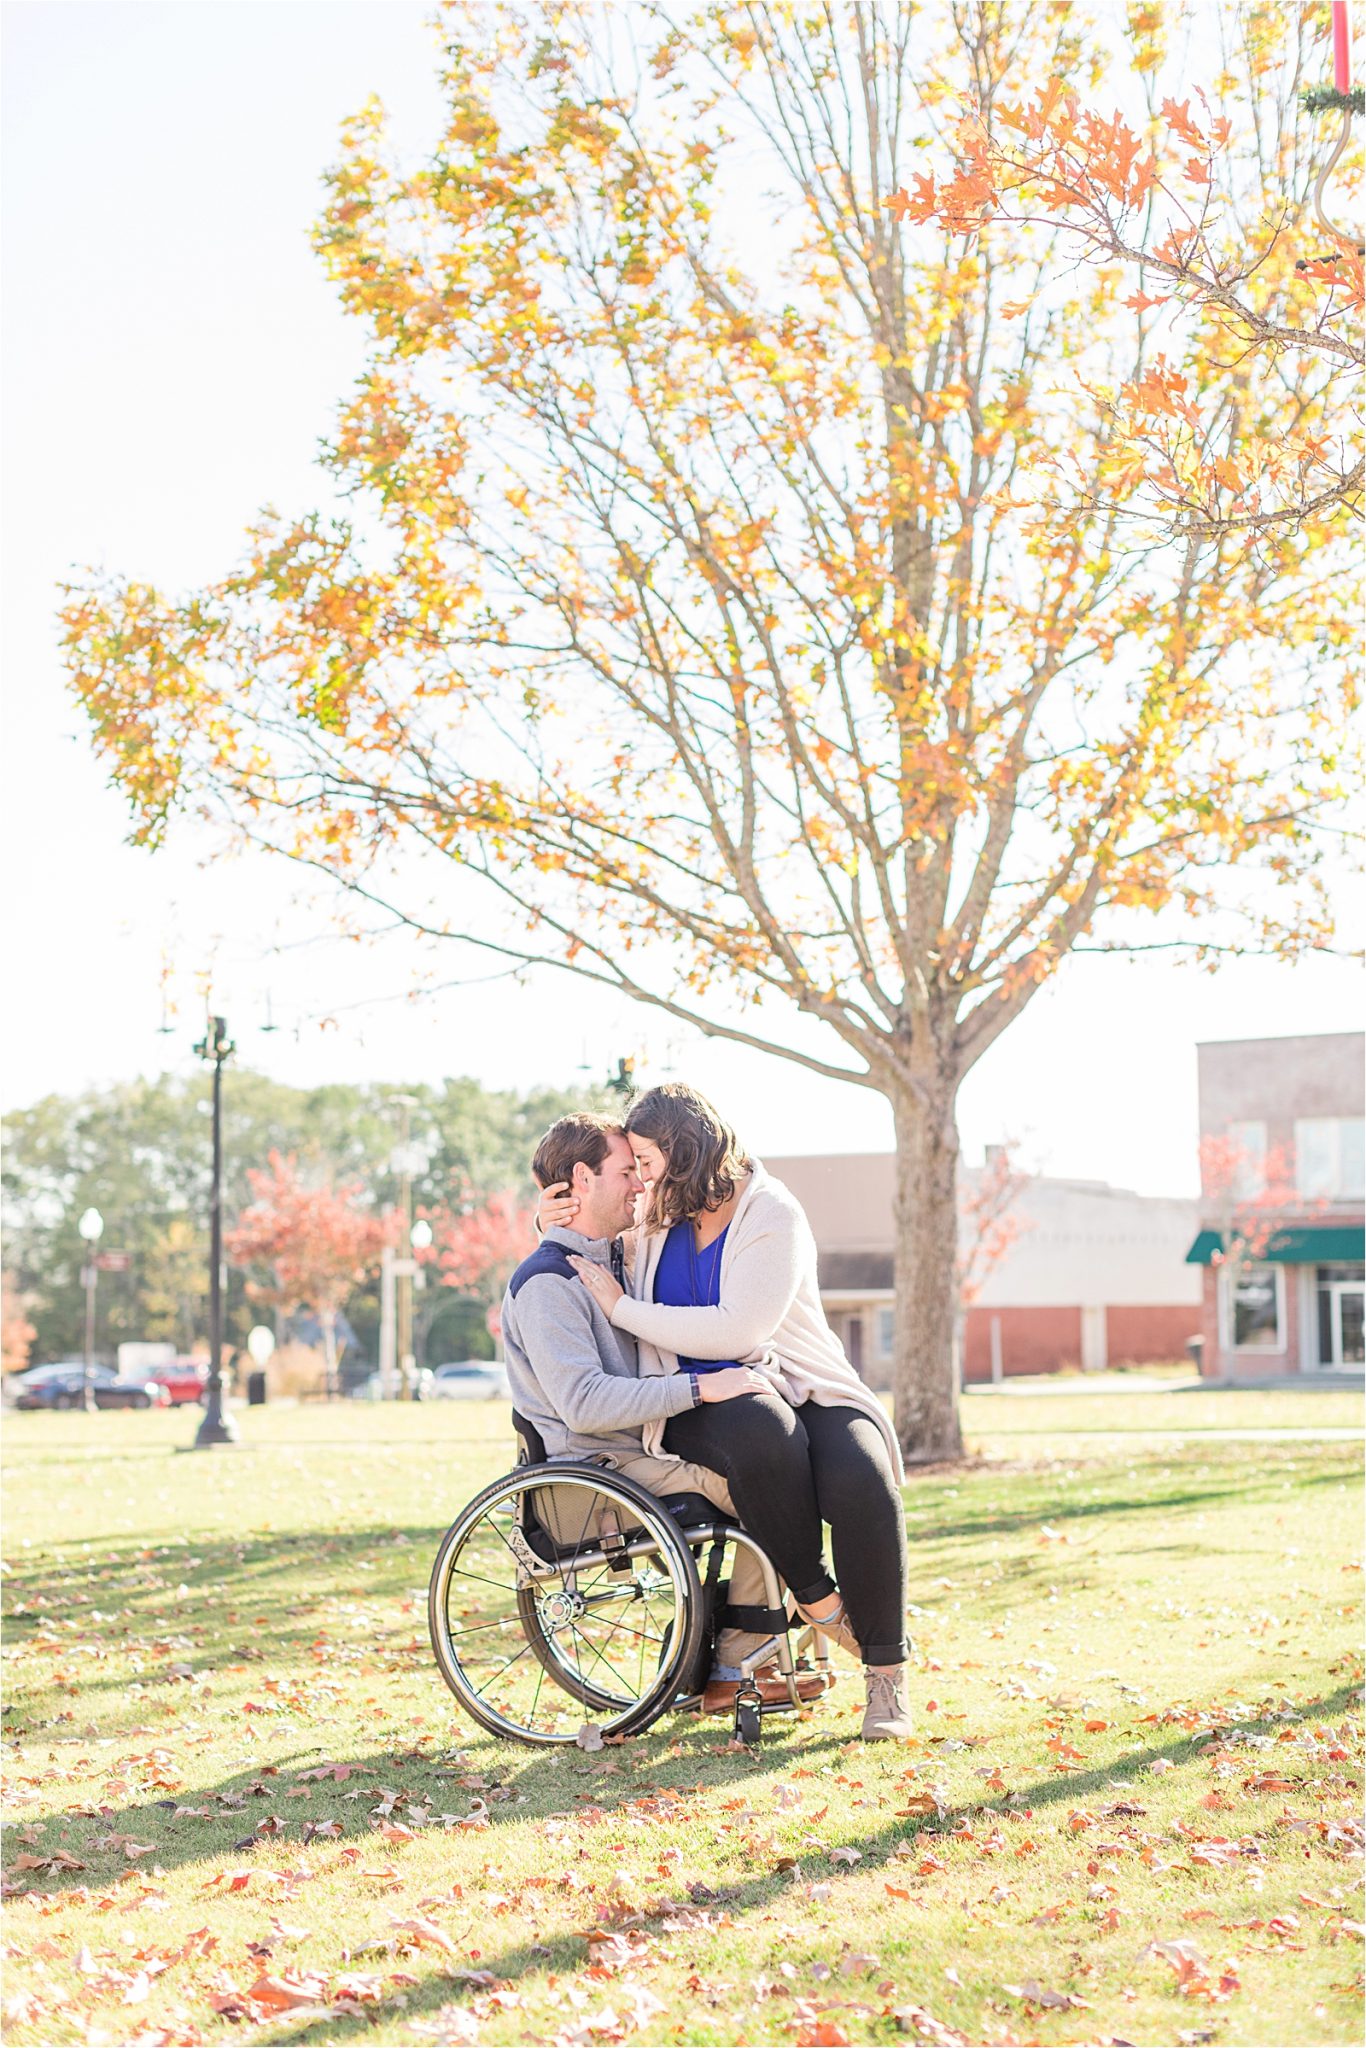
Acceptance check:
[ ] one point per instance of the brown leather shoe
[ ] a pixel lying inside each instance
(719, 1696)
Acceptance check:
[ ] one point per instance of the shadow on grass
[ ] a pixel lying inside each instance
(564, 1782)
(282, 1586)
(552, 1781)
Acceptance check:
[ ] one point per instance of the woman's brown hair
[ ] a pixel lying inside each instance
(703, 1157)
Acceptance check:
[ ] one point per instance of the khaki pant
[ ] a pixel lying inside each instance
(670, 1475)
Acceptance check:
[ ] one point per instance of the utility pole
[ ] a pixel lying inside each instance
(218, 1426)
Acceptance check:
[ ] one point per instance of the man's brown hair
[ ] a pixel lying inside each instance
(582, 1138)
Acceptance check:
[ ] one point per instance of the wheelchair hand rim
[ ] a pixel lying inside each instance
(571, 1655)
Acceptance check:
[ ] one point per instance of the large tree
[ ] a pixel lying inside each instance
(703, 598)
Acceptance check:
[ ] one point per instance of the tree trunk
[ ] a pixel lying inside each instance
(925, 1271)
(329, 1330)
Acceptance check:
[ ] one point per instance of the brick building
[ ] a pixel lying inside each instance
(1281, 1242)
(1096, 1276)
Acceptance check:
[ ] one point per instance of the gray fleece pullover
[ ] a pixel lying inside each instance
(571, 1373)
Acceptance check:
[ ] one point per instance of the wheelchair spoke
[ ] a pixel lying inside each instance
(600, 1656)
(525, 1593)
(462, 1571)
(475, 1627)
(616, 1629)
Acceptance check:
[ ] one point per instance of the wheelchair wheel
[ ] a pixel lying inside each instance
(562, 1588)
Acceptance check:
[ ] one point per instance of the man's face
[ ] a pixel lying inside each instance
(607, 1198)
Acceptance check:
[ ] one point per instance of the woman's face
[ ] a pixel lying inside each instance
(651, 1163)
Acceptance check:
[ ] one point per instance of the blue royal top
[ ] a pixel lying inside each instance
(688, 1278)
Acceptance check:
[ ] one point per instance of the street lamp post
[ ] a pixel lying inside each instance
(218, 1426)
(402, 1162)
(623, 1082)
(91, 1227)
(420, 1239)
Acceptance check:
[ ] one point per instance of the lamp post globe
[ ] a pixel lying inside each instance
(260, 1344)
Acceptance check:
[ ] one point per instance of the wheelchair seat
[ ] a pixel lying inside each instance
(688, 1510)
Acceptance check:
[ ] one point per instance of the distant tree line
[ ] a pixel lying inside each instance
(139, 1153)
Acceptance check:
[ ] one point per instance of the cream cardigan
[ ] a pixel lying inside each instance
(769, 1315)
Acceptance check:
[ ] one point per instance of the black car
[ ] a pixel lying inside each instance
(63, 1386)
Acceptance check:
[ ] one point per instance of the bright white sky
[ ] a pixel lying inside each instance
(173, 356)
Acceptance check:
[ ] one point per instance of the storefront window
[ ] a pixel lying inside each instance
(1341, 1291)
(1258, 1309)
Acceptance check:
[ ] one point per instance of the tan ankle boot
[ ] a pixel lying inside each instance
(887, 1716)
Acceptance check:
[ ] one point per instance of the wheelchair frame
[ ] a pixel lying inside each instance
(638, 1536)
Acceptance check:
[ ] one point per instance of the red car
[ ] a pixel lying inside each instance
(184, 1379)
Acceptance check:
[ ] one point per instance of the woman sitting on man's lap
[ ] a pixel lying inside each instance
(724, 1272)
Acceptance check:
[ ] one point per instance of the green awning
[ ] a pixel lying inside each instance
(1343, 1245)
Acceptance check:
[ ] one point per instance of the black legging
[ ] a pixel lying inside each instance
(790, 1469)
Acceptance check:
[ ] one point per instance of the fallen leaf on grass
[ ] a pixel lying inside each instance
(1043, 1996)
(846, 1855)
(281, 1932)
(915, 2019)
(589, 1737)
(285, 1994)
(1194, 1975)
(917, 1803)
(425, 1933)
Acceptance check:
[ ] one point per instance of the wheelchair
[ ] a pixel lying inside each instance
(566, 1593)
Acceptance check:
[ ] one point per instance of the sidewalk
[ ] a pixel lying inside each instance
(1150, 1383)
(1090, 1383)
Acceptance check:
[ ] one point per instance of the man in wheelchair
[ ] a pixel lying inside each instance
(575, 1377)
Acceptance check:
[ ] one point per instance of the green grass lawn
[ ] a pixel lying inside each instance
(1133, 1813)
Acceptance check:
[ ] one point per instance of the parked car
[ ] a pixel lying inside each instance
(470, 1379)
(183, 1378)
(63, 1385)
(372, 1389)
